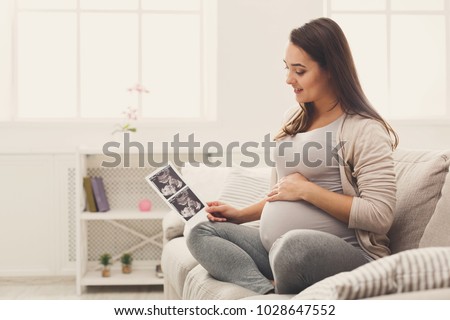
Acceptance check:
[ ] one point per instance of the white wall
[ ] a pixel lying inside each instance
(252, 94)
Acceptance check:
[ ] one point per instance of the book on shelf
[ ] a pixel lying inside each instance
(90, 201)
(99, 194)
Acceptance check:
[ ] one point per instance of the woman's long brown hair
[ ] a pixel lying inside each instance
(324, 41)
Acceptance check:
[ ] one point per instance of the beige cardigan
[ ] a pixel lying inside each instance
(367, 173)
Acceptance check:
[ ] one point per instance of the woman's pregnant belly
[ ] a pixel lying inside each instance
(279, 217)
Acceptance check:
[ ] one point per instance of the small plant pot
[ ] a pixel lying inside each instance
(126, 268)
(106, 272)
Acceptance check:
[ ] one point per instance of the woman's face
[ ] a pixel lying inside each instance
(310, 82)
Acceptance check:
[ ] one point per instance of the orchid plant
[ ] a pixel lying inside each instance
(130, 114)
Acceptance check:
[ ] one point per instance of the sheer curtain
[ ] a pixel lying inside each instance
(6, 29)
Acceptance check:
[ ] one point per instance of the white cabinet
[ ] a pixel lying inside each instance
(27, 230)
(35, 197)
(123, 229)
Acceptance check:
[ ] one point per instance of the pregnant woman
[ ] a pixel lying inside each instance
(333, 202)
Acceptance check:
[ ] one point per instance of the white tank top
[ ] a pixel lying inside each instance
(309, 153)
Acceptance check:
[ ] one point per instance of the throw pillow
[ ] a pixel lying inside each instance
(241, 188)
(437, 233)
(207, 183)
(420, 177)
(408, 271)
(244, 187)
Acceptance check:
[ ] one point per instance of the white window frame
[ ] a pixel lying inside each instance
(208, 36)
(388, 12)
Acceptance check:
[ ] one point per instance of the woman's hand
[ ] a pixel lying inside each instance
(289, 188)
(221, 212)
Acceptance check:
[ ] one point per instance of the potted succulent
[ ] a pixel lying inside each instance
(126, 260)
(105, 261)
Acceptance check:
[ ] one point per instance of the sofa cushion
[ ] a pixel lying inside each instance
(420, 177)
(407, 271)
(176, 262)
(241, 187)
(437, 232)
(270, 296)
(201, 286)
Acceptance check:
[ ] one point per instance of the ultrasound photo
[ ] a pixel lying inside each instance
(167, 181)
(186, 203)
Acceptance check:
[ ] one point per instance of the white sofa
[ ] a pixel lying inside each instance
(419, 267)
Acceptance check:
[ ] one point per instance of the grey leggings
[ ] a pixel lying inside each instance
(234, 253)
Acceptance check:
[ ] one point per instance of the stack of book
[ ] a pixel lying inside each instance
(96, 200)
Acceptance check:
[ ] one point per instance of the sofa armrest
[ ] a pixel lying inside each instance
(173, 226)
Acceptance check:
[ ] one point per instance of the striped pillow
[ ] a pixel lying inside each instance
(244, 187)
(407, 271)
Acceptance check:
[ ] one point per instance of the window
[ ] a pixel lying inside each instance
(401, 51)
(76, 59)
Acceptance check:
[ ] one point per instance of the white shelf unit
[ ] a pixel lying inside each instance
(139, 276)
(122, 229)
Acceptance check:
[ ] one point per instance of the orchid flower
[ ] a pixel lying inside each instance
(130, 114)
